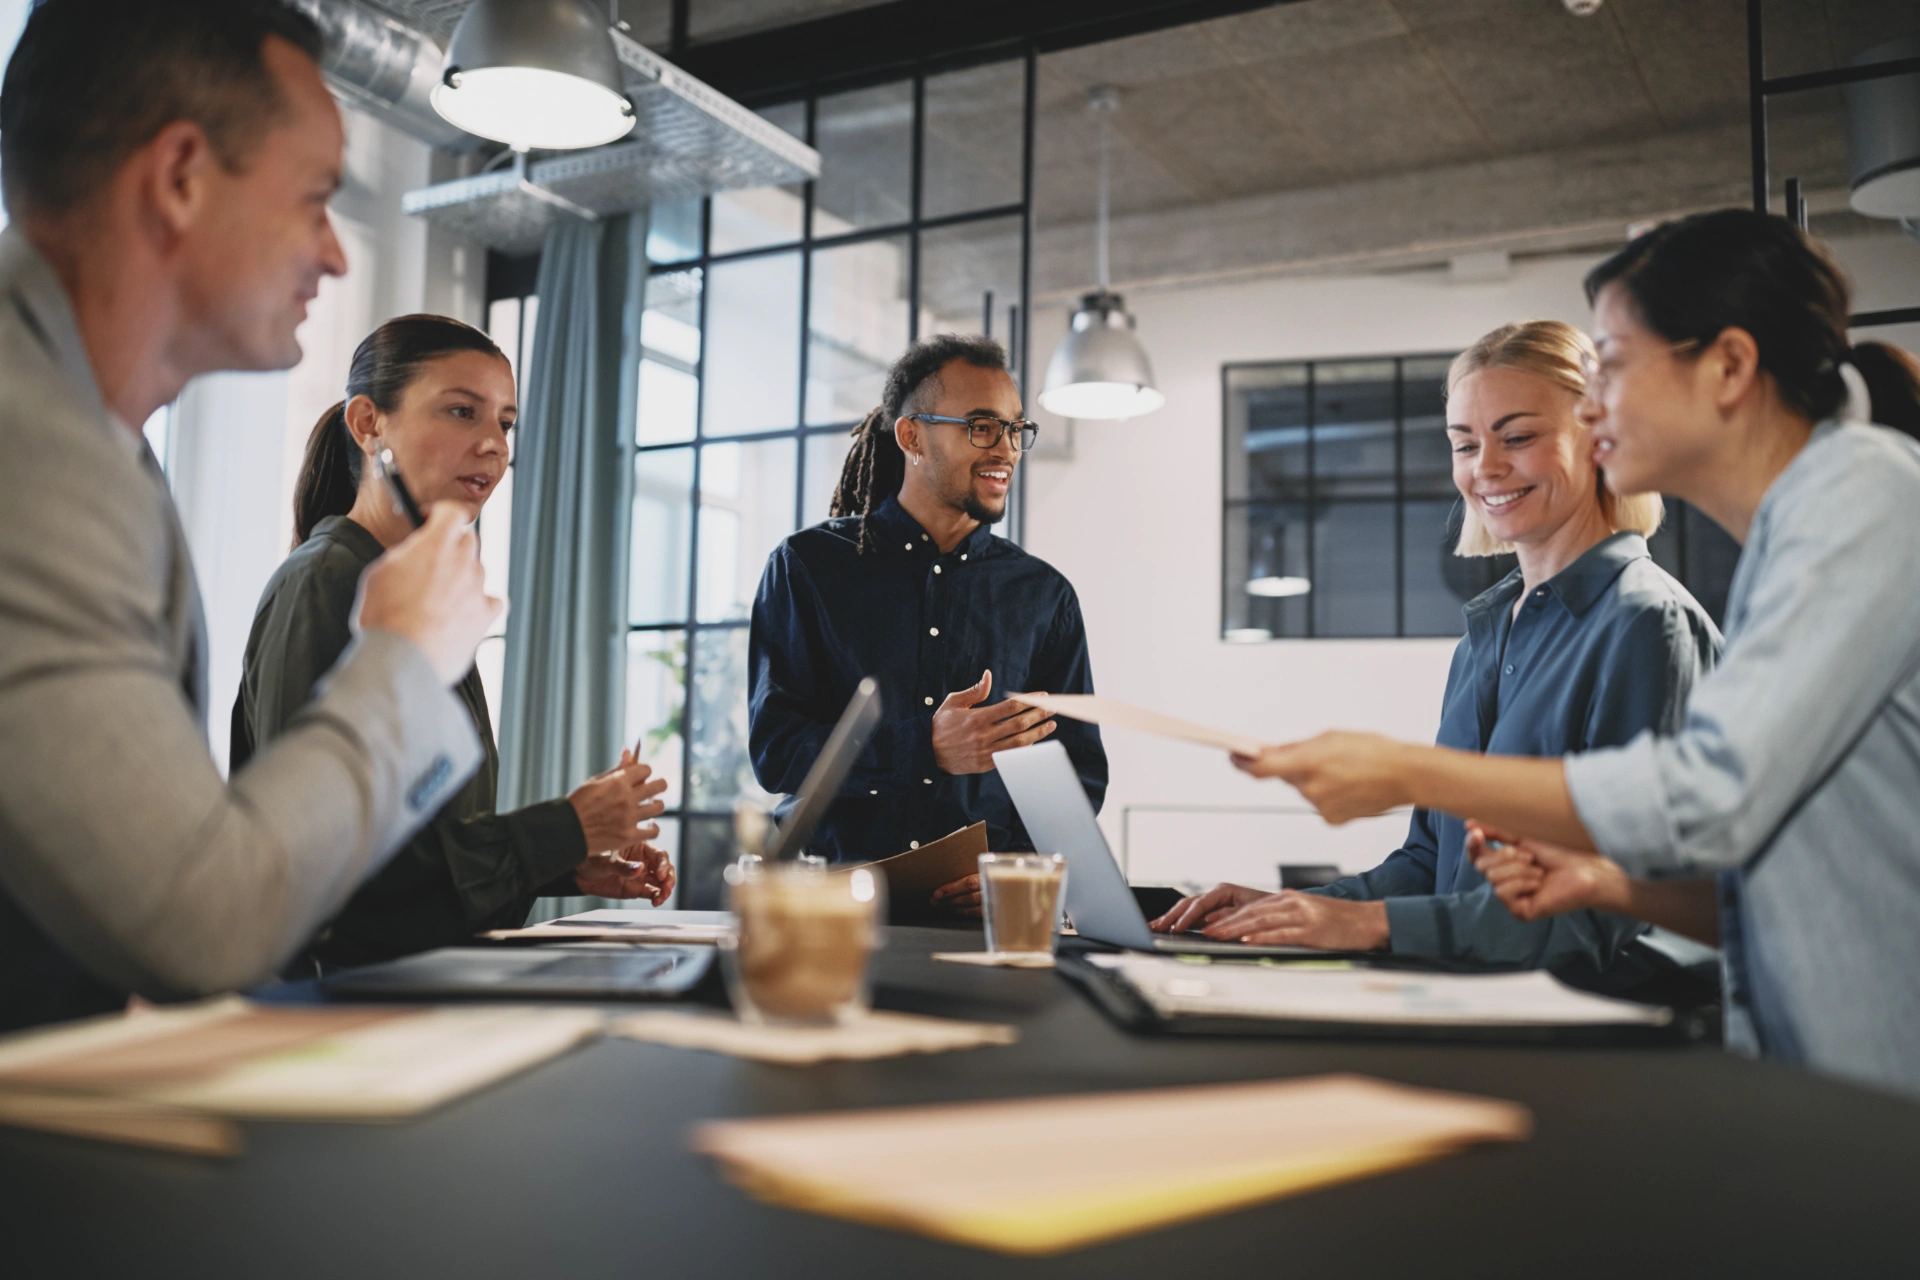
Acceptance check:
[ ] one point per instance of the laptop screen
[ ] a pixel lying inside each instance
(1054, 808)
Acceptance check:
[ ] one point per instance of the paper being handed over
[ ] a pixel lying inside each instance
(1112, 713)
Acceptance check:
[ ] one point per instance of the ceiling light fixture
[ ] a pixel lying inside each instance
(535, 74)
(1278, 587)
(1883, 136)
(1101, 371)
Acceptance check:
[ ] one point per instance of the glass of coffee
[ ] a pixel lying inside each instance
(802, 934)
(1020, 899)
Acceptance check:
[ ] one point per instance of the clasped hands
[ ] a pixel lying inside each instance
(616, 811)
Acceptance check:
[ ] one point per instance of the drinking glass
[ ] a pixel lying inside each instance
(1020, 898)
(798, 950)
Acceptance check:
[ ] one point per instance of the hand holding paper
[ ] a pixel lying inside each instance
(1110, 712)
(966, 734)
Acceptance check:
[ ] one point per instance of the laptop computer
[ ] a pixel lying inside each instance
(1054, 807)
(609, 972)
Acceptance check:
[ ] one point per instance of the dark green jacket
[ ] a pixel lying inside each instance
(469, 868)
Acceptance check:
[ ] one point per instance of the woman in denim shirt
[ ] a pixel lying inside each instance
(1584, 645)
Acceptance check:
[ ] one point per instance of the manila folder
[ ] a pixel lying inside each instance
(914, 875)
(1042, 1175)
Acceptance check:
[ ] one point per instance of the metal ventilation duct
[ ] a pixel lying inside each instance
(690, 140)
(384, 68)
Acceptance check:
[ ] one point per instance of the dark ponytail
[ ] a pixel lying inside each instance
(1893, 383)
(875, 467)
(383, 367)
(1692, 279)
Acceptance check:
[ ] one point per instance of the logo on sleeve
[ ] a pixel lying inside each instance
(429, 782)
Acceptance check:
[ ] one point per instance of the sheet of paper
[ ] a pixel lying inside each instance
(1040, 1175)
(134, 1124)
(1175, 988)
(1111, 713)
(914, 875)
(878, 1035)
(614, 924)
(232, 1058)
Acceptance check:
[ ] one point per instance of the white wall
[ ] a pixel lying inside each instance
(1133, 519)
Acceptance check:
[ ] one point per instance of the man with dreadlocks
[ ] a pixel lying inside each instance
(907, 584)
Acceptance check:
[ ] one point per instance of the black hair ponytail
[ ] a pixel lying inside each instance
(384, 366)
(329, 474)
(1892, 376)
(875, 467)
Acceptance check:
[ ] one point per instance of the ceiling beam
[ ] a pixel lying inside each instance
(883, 41)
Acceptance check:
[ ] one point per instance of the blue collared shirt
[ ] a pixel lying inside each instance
(1608, 647)
(923, 624)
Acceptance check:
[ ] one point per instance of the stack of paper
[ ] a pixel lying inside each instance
(1313, 993)
(177, 1077)
(1045, 1174)
(618, 924)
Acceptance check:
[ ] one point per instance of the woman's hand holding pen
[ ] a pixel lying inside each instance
(617, 807)
(1343, 775)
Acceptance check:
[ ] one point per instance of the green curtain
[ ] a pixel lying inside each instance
(572, 492)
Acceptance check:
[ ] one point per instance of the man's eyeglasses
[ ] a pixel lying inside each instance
(985, 431)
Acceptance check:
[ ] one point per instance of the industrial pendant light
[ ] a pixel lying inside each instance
(1101, 371)
(535, 74)
(1883, 136)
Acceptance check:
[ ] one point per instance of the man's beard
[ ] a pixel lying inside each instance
(978, 510)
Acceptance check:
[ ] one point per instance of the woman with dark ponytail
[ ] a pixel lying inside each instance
(1790, 795)
(439, 394)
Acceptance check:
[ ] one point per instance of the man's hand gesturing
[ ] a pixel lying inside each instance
(966, 734)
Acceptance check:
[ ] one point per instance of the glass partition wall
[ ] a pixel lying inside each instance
(770, 319)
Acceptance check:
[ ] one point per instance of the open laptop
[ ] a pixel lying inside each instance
(616, 971)
(1054, 807)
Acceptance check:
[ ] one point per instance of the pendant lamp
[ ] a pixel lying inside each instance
(1101, 371)
(535, 74)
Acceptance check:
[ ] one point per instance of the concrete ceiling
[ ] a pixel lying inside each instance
(1355, 134)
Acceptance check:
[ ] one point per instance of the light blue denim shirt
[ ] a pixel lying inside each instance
(1608, 647)
(1798, 768)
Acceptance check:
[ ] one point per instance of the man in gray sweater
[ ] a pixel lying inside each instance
(167, 171)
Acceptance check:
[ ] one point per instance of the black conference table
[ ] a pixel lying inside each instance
(1646, 1161)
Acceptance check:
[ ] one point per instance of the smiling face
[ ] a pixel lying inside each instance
(449, 431)
(1521, 458)
(1655, 421)
(253, 262)
(958, 475)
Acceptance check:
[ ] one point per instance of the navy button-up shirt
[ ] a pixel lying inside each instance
(1609, 646)
(923, 625)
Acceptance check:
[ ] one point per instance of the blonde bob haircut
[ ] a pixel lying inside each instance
(1554, 351)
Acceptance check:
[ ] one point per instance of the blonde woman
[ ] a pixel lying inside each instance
(1584, 645)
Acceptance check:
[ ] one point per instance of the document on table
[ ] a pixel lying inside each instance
(613, 924)
(1177, 988)
(1112, 713)
(170, 1077)
(1042, 1175)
